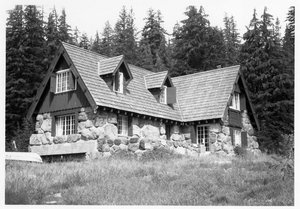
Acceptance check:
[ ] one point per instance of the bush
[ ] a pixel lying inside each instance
(159, 154)
(240, 151)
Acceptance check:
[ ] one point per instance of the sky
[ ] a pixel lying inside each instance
(90, 15)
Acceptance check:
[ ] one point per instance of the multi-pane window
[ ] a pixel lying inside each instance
(163, 95)
(65, 125)
(203, 136)
(235, 102)
(123, 125)
(118, 82)
(64, 81)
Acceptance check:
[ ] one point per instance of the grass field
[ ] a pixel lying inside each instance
(155, 179)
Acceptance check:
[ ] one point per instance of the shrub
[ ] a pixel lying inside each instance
(240, 151)
(159, 154)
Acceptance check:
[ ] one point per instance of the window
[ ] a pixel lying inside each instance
(235, 102)
(65, 125)
(163, 95)
(118, 82)
(203, 136)
(64, 81)
(123, 125)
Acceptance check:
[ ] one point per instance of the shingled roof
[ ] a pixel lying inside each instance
(139, 99)
(200, 96)
(109, 65)
(155, 80)
(205, 95)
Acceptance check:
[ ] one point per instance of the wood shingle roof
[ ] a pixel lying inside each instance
(205, 95)
(109, 65)
(155, 80)
(200, 96)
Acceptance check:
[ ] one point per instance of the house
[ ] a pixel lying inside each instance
(86, 96)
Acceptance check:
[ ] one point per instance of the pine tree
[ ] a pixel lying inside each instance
(64, 28)
(96, 44)
(232, 42)
(106, 43)
(84, 41)
(52, 36)
(14, 64)
(197, 45)
(269, 81)
(153, 37)
(124, 41)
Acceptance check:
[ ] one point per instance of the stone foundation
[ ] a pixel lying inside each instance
(97, 134)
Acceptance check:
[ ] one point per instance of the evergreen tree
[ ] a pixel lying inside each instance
(76, 37)
(84, 41)
(153, 37)
(269, 81)
(64, 28)
(96, 44)
(124, 41)
(106, 43)
(197, 46)
(14, 64)
(52, 36)
(232, 42)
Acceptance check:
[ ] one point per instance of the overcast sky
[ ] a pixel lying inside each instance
(90, 15)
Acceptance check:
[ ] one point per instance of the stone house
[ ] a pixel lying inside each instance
(92, 103)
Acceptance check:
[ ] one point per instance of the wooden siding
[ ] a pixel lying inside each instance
(242, 102)
(244, 139)
(171, 95)
(235, 118)
(51, 102)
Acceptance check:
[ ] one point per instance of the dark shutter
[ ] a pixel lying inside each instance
(193, 135)
(244, 139)
(71, 80)
(130, 132)
(171, 95)
(168, 131)
(53, 83)
(232, 136)
(53, 128)
(117, 81)
(243, 101)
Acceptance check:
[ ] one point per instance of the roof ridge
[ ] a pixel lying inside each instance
(203, 72)
(83, 49)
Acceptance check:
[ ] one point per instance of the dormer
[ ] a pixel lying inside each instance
(116, 70)
(161, 87)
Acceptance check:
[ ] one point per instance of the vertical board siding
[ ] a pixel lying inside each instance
(53, 83)
(51, 102)
(243, 102)
(244, 139)
(171, 95)
(235, 118)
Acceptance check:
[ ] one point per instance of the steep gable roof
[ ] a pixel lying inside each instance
(156, 80)
(205, 95)
(138, 99)
(109, 65)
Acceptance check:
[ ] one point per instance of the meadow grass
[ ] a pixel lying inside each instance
(153, 179)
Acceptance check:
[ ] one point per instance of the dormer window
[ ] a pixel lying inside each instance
(163, 95)
(118, 83)
(235, 102)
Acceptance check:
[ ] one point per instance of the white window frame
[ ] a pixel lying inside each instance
(235, 102)
(121, 82)
(60, 88)
(65, 125)
(123, 125)
(163, 95)
(205, 140)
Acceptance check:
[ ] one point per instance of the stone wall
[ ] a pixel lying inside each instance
(146, 135)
